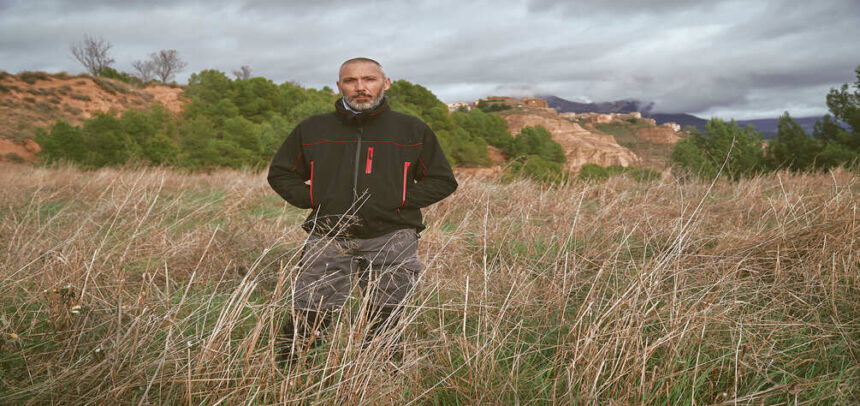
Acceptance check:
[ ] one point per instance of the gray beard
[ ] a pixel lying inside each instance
(367, 106)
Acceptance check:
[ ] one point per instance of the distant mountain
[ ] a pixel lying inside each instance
(681, 118)
(618, 106)
(767, 126)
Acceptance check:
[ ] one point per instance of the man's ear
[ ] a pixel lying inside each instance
(338, 87)
(387, 83)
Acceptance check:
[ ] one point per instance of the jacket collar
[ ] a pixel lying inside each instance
(353, 117)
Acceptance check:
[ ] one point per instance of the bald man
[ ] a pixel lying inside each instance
(365, 172)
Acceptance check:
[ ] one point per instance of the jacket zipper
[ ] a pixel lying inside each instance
(368, 167)
(405, 173)
(355, 173)
(312, 183)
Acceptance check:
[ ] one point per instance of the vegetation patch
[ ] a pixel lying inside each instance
(593, 172)
(45, 107)
(112, 86)
(13, 157)
(32, 77)
(724, 148)
(72, 110)
(81, 97)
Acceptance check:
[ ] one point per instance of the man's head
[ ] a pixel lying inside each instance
(362, 83)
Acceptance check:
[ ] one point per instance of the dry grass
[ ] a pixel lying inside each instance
(158, 287)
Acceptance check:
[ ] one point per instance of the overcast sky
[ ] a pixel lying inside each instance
(741, 59)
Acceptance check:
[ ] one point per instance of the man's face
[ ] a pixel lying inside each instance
(362, 85)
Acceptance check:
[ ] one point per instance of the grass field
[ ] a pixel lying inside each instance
(154, 286)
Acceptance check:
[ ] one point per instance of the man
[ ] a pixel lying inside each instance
(365, 172)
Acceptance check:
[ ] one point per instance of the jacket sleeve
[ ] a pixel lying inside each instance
(433, 175)
(289, 171)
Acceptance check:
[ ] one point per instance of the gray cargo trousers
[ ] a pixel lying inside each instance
(385, 268)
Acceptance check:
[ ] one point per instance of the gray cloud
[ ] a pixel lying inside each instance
(730, 58)
(618, 7)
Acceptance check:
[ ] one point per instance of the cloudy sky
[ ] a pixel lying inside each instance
(742, 59)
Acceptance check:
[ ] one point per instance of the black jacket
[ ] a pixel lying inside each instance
(371, 171)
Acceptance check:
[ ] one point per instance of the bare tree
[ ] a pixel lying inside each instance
(167, 63)
(145, 70)
(243, 73)
(93, 54)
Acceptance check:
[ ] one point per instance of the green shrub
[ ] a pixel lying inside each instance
(491, 128)
(537, 141)
(39, 92)
(112, 86)
(14, 88)
(31, 77)
(416, 99)
(537, 168)
(792, 148)
(72, 110)
(594, 172)
(160, 149)
(464, 149)
(45, 107)
(15, 158)
(106, 140)
(63, 142)
(722, 145)
(835, 155)
(490, 107)
(111, 73)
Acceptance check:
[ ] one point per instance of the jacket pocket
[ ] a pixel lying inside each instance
(405, 180)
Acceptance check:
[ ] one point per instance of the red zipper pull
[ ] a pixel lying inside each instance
(405, 177)
(369, 166)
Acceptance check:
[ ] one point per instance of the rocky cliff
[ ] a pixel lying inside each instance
(581, 146)
(664, 134)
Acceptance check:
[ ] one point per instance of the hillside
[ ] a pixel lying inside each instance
(31, 100)
(580, 145)
(603, 139)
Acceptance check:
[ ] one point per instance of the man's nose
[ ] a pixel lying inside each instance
(360, 85)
